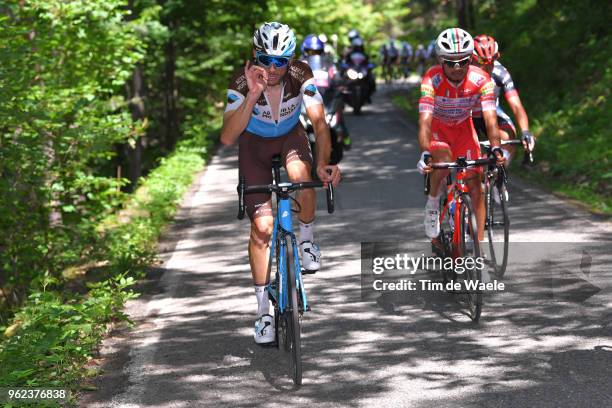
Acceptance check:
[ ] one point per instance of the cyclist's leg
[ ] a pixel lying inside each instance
(298, 162)
(255, 155)
(440, 152)
(474, 184)
(255, 163)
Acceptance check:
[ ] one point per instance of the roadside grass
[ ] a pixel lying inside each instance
(58, 329)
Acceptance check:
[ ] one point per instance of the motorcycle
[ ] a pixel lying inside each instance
(356, 75)
(333, 104)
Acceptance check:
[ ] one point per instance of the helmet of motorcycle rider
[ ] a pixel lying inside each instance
(274, 39)
(453, 43)
(486, 50)
(353, 34)
(312, 45)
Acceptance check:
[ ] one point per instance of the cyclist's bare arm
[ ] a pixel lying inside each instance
(519, 111)
(490, 119)
(316, 114)
(425, 120)
(234, 122)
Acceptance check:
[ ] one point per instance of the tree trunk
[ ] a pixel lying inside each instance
(170, 95)
(137, 107)
(465, 14)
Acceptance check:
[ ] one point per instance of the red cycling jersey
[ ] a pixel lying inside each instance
(452, 105)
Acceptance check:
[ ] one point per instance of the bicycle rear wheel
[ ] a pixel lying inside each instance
(469, 248)
(292, 316)
(498, 226)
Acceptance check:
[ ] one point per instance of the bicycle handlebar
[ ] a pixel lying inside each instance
(460, 163)
(281, 187)
(527, 158)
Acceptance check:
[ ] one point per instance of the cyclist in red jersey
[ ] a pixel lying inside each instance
(448, 93)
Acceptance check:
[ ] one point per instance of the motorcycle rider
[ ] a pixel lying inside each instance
(313, 49)
(358, 52)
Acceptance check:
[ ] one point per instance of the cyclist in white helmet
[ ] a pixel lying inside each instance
(263, 107)
(449, 91)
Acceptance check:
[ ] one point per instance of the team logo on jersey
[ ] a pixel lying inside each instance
(310, 90)
(231, 98)
(476, 78)
(427, 91)
(436, 80)
(256, 111)
(487, 88)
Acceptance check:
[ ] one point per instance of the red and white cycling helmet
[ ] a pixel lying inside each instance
(453, 43)
(485, 49)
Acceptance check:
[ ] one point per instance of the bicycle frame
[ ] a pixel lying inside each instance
(283, 225)
(457, 187)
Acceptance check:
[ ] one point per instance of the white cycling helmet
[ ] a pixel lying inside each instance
(454, 42)
(274, 39)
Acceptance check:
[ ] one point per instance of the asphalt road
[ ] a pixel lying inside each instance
(545, 341)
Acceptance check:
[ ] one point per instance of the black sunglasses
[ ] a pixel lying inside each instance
(453, 63)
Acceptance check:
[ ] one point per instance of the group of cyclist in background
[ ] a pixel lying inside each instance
(399, 59)
(273, 100)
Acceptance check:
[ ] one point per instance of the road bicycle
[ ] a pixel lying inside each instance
(459, 233)
(497, 221)
(286, 291)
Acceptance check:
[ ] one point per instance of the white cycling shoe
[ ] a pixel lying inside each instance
(264, 330)
(311, 256)
(431, 222)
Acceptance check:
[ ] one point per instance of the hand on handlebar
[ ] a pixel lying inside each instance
(423, 166)
(329, 173)
(499, 155)
(528, 141)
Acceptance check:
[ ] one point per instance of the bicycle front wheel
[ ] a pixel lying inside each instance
(469, 248)
(498, 226)
(292, 316)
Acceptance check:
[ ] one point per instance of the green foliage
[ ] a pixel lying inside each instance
(409, 102)
(72, 240)
(57, 334)
(62, 69)
(560, 54)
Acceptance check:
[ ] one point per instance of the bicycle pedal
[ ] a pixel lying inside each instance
(308, 272)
